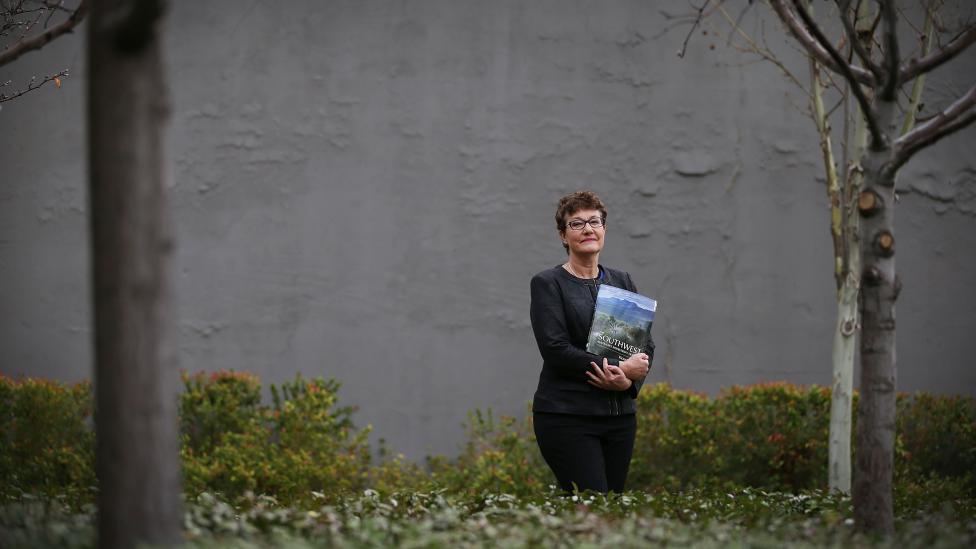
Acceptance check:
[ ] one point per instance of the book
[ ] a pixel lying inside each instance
(621, 323)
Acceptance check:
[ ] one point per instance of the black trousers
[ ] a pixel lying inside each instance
(587, 452)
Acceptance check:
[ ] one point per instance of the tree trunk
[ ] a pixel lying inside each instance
(137, 453)
(841, 394)
(848, 325)
(846, 255)
(881, 80)
(839, 445)
(879, 289)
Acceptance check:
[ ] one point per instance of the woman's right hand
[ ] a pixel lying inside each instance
(636, 367)
(609, 377)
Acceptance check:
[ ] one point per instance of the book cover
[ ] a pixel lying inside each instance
(621, 323)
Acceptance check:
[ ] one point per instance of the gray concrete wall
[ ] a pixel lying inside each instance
(364, 189)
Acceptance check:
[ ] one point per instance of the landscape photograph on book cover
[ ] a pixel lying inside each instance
(621, 323)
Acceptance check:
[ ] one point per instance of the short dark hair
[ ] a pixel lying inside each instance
(574, 202)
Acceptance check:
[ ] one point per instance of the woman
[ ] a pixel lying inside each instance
(583, 409)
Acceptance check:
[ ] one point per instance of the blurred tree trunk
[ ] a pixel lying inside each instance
(137, 452)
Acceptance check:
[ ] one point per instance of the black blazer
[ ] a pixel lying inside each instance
(561, 312)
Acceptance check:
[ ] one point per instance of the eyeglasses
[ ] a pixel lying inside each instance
(578, 224)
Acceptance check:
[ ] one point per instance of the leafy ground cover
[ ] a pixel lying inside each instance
(744, 518)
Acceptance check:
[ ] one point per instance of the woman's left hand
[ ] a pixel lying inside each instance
(609, 377)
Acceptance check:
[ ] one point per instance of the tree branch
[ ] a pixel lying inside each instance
(820, 118)
(889, 90)
(698, 19)
(817, 48)
(927, 34)
(877, 136)
(915, 66)
(33, 85)
(754, 48)
(20, 48)
(856, 45)
(954, 118)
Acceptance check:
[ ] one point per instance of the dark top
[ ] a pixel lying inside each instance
(561, 312)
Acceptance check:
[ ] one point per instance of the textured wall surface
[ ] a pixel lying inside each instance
(364, 189)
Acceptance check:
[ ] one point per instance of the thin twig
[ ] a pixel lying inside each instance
(836, 106)
(738, 20)
(32, 85)
(765, 53)
(911, 113)
(697, 22)
(876, 134)
(856, 46)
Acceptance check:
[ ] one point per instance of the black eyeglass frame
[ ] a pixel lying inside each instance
(593, 222)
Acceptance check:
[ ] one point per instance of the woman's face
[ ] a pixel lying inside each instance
(587, 240)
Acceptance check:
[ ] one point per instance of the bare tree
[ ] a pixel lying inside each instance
(137, 452)
(873, 72)
(875, 81)
(842, 185)
(29, 25)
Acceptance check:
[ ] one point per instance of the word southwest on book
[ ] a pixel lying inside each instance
(621, 323)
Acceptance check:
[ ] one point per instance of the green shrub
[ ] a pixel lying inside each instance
(918, 497)
(677, 440)
(301, 448)
(771, 436)
(500, 456)
(775, 436)
(936, 438)
(46, 439)
(215, 405)
(395, 473)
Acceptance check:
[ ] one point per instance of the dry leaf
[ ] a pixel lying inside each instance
(57, 82)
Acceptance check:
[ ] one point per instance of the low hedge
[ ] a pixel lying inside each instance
(772, 436)
(47, 444)
(775, 435)
(302, 448)
(499, 456)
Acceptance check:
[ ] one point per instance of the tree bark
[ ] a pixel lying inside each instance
(137, 452)
(839, 444)
(879, 289)
(846, 254)
(848, 326)
(842, 388)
